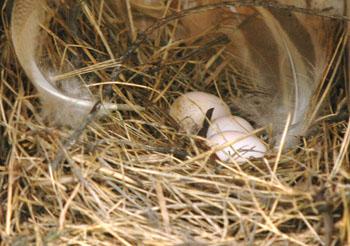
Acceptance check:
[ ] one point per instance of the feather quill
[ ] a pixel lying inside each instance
(63, 109)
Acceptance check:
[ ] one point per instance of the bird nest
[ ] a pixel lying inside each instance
(132, 178)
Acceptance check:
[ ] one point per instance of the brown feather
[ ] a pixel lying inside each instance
(281, 54)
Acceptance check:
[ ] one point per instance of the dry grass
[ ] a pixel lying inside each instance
(132, 178)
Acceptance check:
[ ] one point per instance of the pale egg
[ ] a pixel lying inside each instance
(229, 123)
(190, 109)
(243, 146)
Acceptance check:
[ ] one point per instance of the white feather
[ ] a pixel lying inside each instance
(27, 15)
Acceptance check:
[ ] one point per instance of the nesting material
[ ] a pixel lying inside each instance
(133, 178)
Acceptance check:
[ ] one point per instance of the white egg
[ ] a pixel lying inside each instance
(233, 9)
(248, 147)
(190, 109)
(229, 123)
